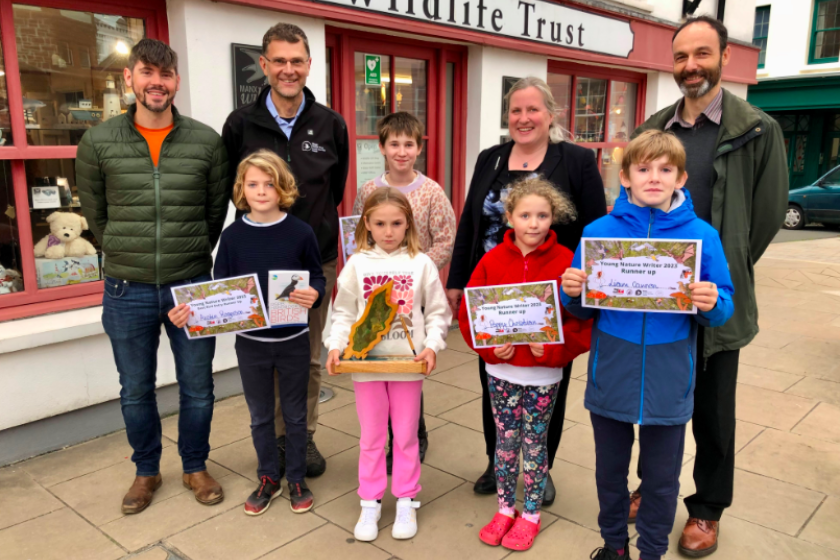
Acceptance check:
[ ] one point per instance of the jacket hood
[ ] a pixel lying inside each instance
(639, 218)
(547, 245)
(379, 253)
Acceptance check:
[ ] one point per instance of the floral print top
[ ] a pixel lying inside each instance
(433, 214)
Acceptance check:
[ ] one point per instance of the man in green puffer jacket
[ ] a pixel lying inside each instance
(738, 180)
(153, 187)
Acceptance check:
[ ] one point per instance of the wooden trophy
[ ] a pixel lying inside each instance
(368, 331)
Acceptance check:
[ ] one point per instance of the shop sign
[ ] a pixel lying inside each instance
(248, 77)
(531, 20)
(373, 70)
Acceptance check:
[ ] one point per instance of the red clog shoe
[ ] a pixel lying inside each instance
(494, 532)
(521, 536)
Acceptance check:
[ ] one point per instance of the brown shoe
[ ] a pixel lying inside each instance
(140, 494)
(699, 538)
(207, 491)
(635, 500)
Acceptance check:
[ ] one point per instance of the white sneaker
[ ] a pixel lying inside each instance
(405, 527)
(367, 528)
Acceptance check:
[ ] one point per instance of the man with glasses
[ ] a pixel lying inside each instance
(312, 140)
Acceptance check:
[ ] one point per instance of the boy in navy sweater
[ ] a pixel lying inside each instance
(642, 365)
(268, 238)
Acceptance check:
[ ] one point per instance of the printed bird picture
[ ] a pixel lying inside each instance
(287, 291)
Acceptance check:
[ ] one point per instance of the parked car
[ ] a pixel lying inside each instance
(819, 202)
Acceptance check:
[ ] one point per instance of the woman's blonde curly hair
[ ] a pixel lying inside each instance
(562, 209)
(272, 165)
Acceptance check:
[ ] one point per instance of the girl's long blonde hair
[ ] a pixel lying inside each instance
(387, 195)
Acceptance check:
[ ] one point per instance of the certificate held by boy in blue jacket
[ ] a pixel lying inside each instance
(641, 274)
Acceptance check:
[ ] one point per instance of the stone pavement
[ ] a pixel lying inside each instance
(787, 484)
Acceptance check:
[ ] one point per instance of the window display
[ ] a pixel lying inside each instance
(71, 67)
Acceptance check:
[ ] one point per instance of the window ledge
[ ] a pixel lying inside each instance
(26, 334)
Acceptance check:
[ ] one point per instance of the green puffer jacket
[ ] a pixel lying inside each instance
(155, 225)
(749, 200)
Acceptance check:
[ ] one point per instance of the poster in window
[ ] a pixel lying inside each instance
(248, 77)
(507, 85)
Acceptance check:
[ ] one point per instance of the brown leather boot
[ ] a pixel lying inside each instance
(699, 537)
(635, 500)
(207, 491)
(140, 494)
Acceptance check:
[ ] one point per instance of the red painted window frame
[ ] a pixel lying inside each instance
(34, 301)
(611, 75)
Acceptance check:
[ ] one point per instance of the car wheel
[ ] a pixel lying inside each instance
(794, 219)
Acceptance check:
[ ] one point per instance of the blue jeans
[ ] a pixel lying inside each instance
(132, 315)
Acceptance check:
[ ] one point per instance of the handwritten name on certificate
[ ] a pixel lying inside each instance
(515, 313)
(229, 305)
(640, 274)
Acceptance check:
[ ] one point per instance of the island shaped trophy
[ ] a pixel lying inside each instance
(374, 324)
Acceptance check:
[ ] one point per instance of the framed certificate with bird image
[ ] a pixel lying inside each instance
(281, 311)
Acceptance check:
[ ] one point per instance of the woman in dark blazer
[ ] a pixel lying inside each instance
(537, 146)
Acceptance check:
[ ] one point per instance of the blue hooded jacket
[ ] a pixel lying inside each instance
(642, 365)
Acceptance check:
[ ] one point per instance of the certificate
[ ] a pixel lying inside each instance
(515, 313)
(281, 311)
(229, 305)
(348, 235)
(640, 274)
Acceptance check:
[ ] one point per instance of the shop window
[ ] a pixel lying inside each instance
(760, 31)
(5, 122)
(63, 95)
(825, 32)
(601, 109)
(67, 76)
(11, 264)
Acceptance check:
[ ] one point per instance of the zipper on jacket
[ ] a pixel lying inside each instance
(156, 176)
(595, 363)
(690, 373)
(525, 273)
(644, 348)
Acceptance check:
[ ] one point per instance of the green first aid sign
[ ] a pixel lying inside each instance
(373, 70)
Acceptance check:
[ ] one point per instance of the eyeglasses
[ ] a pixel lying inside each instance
(295, 62)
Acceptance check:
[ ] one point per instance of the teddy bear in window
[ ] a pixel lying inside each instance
(65, 238)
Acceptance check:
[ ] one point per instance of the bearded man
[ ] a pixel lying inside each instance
(738, 180)
(153, 187)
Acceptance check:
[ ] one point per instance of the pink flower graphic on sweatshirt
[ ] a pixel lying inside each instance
(403, 282)
(404, 299)
(370, 283)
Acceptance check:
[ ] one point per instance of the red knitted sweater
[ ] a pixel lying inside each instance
(506, 265)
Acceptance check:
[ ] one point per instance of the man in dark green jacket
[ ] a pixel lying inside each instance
(738, 180)
(153, 187)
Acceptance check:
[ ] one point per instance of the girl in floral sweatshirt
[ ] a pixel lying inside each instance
(523, 380)
(388, 250)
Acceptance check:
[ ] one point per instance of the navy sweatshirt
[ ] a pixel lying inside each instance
(247, 247)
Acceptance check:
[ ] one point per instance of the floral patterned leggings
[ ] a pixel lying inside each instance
(522, 414)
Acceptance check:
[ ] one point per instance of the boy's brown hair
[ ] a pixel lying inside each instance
(651, 145)
(387, 195)
(272, 165)
(400, 123)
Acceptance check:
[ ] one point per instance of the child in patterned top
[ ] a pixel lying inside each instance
(401, 142)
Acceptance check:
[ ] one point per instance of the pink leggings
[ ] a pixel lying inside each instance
(375, 401)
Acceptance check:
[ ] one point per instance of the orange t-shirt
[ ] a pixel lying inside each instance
(154, 138)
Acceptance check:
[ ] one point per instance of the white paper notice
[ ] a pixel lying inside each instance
(638, 276)
(369, 161)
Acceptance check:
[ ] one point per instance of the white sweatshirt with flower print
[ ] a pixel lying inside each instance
(417, 291)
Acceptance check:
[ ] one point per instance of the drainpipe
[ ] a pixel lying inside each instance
(721, 9)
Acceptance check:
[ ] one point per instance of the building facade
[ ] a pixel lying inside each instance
(799, 80)
(448, 62)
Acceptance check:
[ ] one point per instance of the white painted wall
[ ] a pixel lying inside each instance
(56, 363)
(789, 40)
(202, 32)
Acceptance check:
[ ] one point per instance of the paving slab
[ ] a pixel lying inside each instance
(823, 422)
(59, 535)
(328, 542)
(822, 528)
(22, 499)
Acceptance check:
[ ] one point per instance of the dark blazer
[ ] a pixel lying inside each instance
(571, 168)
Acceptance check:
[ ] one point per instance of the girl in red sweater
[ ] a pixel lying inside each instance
(523, 380)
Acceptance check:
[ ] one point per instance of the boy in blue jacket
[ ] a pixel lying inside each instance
(642, 365)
